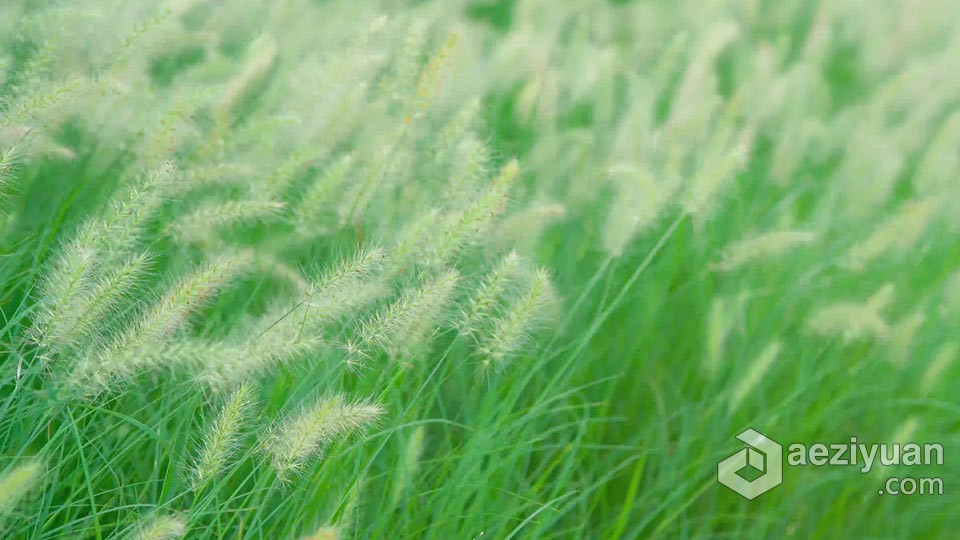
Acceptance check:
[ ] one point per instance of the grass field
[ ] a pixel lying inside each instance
(475, 270)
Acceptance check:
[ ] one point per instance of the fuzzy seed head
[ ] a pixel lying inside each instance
(141, 346)
(408, 468)
(944, 357)
(525, 228)
(92, 306)
(405, 326)
(437, 237)
(487, 298)
(261, 57)
(754, 375)
(723, 159)
(638, 204)
(433, 74)
(349, 286)
(168, 527)
(327, 532)
(852, 321)
(221, 437)
(317, 212)
(902, 336)
(762, 247)
(898, 234)
(208, 218)
(9, 160)
(17, 482)
(98, 265)
(510, 333)
(303, 435)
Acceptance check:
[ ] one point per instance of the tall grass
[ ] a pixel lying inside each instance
(461, 270)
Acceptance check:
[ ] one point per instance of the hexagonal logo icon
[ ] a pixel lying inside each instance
(763, 458)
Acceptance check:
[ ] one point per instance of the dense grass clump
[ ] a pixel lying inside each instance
(444, 269)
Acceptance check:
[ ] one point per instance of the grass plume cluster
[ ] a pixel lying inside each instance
(456, 269)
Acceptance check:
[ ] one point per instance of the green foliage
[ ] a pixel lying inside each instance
(448, 269)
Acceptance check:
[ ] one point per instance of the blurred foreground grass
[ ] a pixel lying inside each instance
(270, 269)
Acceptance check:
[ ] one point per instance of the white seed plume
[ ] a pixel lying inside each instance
(141, 346)
(866, 177)
(471, 160)
(80, 272)
(288, 332)
(94, 304)
(433, 74)
(510, 333)
(295, 165)
(170, 130)
(407, 468)
(406, 325)
(699, 84)
(351, 285)
(850, 320)
(945, 356)
(524, 228)
(488, 296)
(902, 435)
(754, 374)
(221, 437)
(762, 247)
(936, 174)
(327, 532)
(261, 56)
(316, 212)
(168, 527)
(950, 295)
(16, 482)
(438, 237)
(902, 336)
(639, 201)
(898, 234)
(207, 218)
(458, 132)
(303, 435)
(217, 174)
(854, 320)
(9, 160)
(724, 157)
(407, 64)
